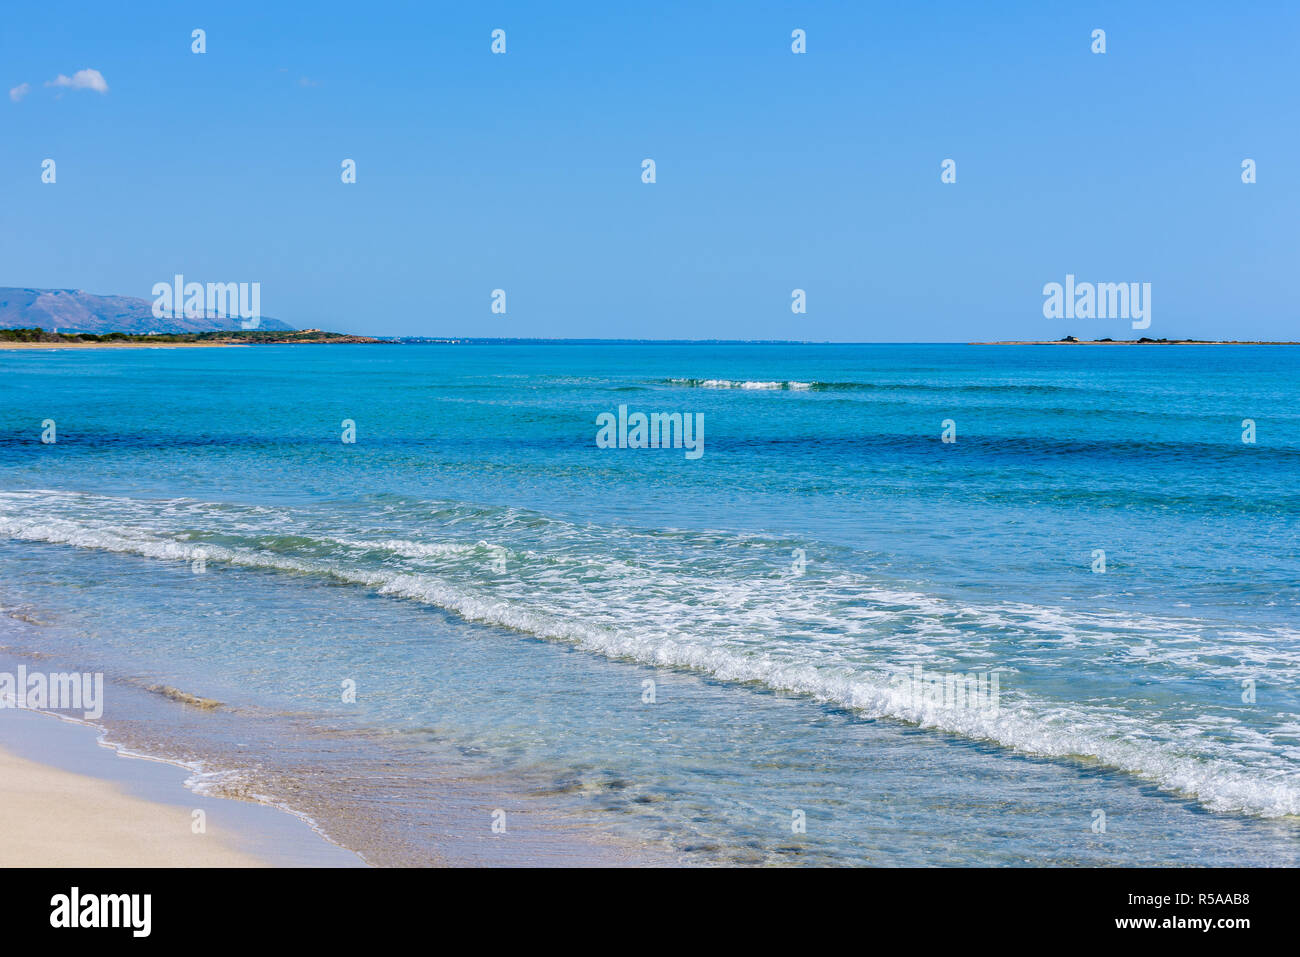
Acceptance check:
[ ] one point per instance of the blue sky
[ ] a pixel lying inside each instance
(775, 171)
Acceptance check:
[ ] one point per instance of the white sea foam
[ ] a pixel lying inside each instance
(739, 384)
(839, 638)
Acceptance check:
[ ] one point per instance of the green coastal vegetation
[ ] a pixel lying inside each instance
(233, 337)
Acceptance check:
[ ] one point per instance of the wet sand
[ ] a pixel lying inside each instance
(68, 801)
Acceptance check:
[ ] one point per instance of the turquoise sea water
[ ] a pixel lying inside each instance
(685, 657)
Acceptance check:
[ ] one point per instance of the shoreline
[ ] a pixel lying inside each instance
(68, 799)
(124, 345)
(228, 344)
(70, 768)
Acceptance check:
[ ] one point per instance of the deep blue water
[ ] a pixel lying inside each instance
(501, 589)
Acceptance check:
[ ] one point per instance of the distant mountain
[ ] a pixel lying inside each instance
(74, 310)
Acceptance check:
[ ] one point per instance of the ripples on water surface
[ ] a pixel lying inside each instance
(501, 589)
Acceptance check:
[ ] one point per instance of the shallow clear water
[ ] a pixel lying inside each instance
(500, 589)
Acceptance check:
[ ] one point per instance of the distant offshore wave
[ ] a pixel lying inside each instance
(792, 385)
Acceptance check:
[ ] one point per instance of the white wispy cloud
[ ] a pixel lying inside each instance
(81, 80)
(19, 91)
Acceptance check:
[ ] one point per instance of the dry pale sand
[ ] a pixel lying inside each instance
(55, 818)
(68, 799)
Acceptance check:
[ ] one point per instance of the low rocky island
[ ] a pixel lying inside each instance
(1144, 341)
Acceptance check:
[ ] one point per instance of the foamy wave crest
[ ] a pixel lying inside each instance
(721, 605)
(739, 384)
(888, 386)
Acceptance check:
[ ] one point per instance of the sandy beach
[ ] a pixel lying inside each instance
(59, 819)
(68, 801)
